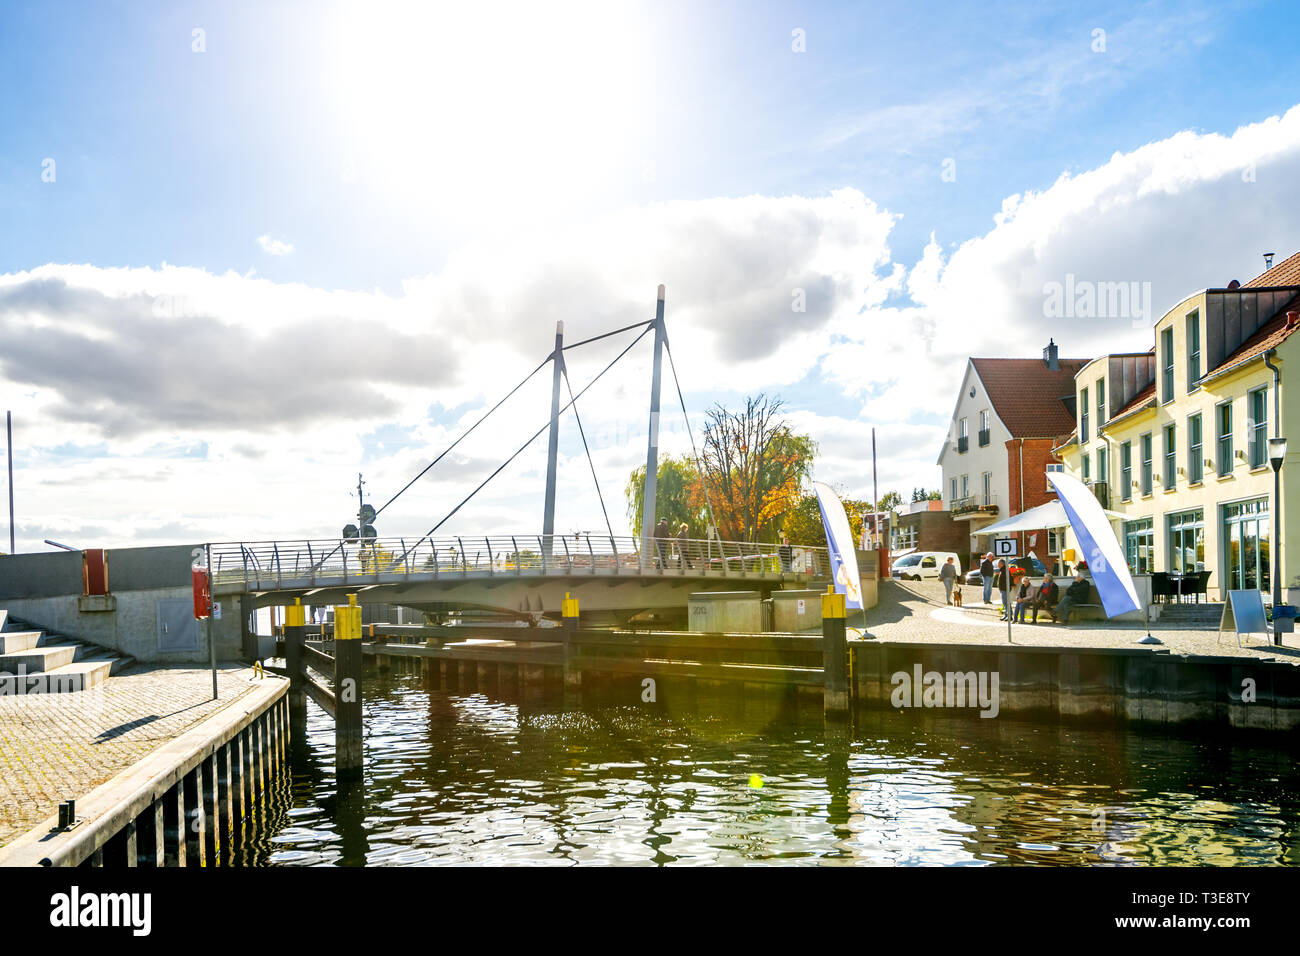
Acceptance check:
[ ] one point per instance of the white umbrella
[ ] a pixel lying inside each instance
(1050, 515)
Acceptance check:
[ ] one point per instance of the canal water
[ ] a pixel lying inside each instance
(453, 778)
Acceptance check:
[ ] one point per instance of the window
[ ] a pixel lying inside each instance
(1103, 465)
(1053, 468)
(1167, 362)
(1126, 470)
(1195, 450)
(965, 486)
(1171, 459)
(1247, 540)
(1083, 416)
(1139, 545)
(963, 436)
(1087, 468)
(953, 493)
(1257, 426)
(1054, 539)
(984, 428)
(928, 561)
(1223, 438)
(988, 487)
(1187, 542)
(1101, 402)
(1144, 444)
(1193, 349)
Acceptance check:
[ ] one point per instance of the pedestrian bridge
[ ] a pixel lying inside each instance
(516, 573)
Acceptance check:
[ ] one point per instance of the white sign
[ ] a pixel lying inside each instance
(801, 605)
(216, 611)
(1004, 547)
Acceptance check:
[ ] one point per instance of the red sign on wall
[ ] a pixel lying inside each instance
(202, 593)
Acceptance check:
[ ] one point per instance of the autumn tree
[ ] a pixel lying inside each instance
(802, 524)
(753, 467)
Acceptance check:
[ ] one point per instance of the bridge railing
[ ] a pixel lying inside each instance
(273, 564)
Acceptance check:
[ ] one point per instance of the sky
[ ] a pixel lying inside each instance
(251, 250)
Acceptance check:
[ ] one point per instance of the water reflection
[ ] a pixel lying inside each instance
(469, 779)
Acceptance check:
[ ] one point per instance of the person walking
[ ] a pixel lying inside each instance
(683, 539)
(786, 553)
(1004, 587)
(662, 534)
(948, 575)
(986, 575)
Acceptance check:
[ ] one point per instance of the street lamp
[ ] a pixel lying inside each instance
(1277, 455)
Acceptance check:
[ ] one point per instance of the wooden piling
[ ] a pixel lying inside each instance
(347, 689)
(295, 633)
(835, 656)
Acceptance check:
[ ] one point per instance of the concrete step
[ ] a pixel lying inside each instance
(67, 679)
(38, 658)
(19, 640)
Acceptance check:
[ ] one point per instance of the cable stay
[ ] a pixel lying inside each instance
(691, 435)
(574, 403)
(428, 534)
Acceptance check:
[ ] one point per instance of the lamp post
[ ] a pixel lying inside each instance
(1277, 455)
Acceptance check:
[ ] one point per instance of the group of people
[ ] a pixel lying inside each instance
(1029, 597)
(664, 534)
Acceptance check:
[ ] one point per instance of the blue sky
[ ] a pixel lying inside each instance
(446, 180)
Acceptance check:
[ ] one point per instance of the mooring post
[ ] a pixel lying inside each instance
(569, 618)
(835, 655)
(295, 628)
(347, 689)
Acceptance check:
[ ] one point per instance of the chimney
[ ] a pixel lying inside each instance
(1292, 319)
(1049, 356)
(1268, 261)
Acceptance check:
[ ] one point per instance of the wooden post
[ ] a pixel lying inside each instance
(569, 617)
(835, 655)
(295, 628)
(347, 689)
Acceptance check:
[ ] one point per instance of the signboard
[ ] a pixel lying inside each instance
(1244, 613)
(1004, 547)
(202, 592)
(802, 606)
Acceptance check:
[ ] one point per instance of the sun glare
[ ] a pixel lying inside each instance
(493, 109)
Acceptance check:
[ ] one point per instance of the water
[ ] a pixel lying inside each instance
(468, 779)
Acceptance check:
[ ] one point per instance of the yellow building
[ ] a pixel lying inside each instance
(1175, 439)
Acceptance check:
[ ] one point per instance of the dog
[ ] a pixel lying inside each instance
(956, 595)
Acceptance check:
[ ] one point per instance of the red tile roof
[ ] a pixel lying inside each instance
(1143, 398)
(1268, 336)
(1286, 272)
(1027, 395)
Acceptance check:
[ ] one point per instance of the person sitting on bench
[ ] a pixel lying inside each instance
(1076, 593)
(1045, 596)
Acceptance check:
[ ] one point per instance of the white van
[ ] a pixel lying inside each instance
(923, 564)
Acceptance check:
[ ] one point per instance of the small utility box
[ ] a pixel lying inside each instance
(726, 612)
(796, 610)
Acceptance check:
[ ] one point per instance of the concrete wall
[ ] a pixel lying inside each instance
(726, 612)
(129, 624)
(46, 589)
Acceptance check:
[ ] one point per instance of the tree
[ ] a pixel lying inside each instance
(802, 524)
(889, 501)
(753, 467)
(674, 496)
(920, 494)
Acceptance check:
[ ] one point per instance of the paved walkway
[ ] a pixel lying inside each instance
(54, 747)
(916, 611)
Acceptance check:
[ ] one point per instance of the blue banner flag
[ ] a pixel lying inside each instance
(1101, 549)
(839, 542)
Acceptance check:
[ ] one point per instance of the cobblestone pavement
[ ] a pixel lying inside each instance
(54, 747)
(916, 611)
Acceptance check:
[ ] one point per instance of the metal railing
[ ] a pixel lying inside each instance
(265, 565)
(975, 504)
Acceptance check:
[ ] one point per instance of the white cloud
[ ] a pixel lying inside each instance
(274, 247)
